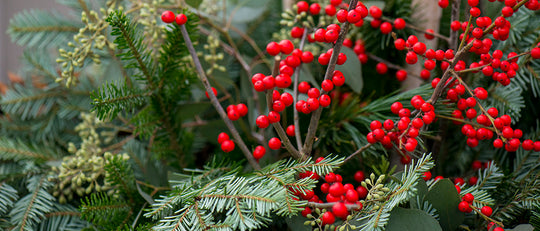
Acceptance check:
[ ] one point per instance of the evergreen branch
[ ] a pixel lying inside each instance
(8, 196)
(63, 217)
(42, 29)
(490, 177)
(104, 211)
(120, 174)
(305, 151)
(111, 99)
(18, 150)
(129, 37)
(31, 209)
(29, 102)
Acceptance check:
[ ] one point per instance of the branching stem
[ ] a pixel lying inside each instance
(215, 102)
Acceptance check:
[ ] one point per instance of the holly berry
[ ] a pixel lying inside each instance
(535, 53)
(463, 206)
(381, 68)
(340, 210)
(486, 210)
(259, 152)
(273, 48)
(386, 28)
(181, 19)
(213, 90)
(223, 137)
(468, 198)
(399, 23)
(227, 146)
(443, 3)
(262, 121)
(328, 218)
(167, 16)
(274, 143)
(290, 130)
(359, 176)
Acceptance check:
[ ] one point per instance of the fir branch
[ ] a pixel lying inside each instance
(104, 211)
(129, 37)
(113, 98)
(31, 209)
(63, 217)
(42, 29)
(18, 150)
(8, 196)
(29, 102)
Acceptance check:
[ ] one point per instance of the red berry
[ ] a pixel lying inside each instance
(375, 12)
(399, 23)
(290, 130)
(213, 90)
(227, 146)
(336, 189)
(468, 198)
(429, 34)
(486, 210)
(303, 87)
(313, 93)
(273, 48)
(273, 117)
(274, 143)
(302, 6)
(401, 75)
(286, 46)
(475, 11)
(223, 137)
(535, 53)
(167, 16)
(330, 10)
(381, 68)
(400, 44)
(324, 100)
(242, 109)
(287, 99)
(340, 210)
(328, 218)
(262, 121)
(259, 152)
(362, 192)
(181, 19)
(386, 28)
(306, 211)
(507, 11)
(426, 176)
(315, 9)
(233, 115)
(463, 206)
(443, 3)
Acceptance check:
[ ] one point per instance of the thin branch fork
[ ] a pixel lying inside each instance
(315, 117)
(277, 126)
(215, 102)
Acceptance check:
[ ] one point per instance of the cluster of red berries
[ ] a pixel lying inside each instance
(335, 191)
(227, 145)
(406, 130)
(235, 112)
(169, 17)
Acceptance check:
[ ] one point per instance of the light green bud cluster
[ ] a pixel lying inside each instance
(149, 15)
(213, 55)
(91, 37)
(83, 172)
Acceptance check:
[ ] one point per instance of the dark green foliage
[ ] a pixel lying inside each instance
(106, 212)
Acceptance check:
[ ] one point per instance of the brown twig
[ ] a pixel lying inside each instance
(315, 117)
(329, 205)
(214, 101)
(277, 126)
(295, 95)
(360, 150)
(453, 40)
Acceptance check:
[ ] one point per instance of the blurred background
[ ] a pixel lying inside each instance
(10, 52)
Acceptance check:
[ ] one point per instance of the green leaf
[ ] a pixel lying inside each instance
(194, 3)
(444, 197)
(352, 69)
(421, 191)
(297, 223)
(411, 219)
